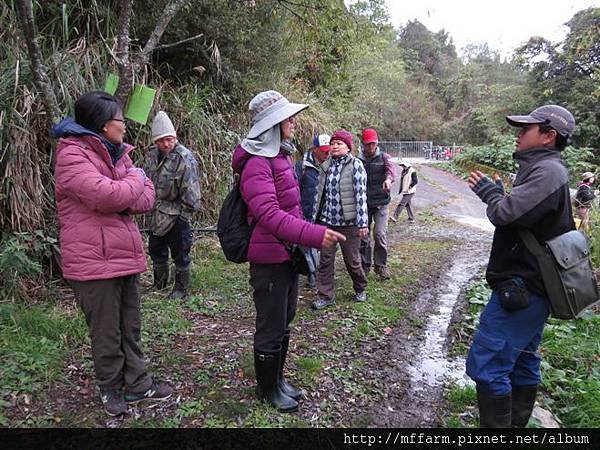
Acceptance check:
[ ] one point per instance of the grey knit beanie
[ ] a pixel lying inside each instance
(162, 126)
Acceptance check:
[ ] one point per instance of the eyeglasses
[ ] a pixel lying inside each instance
(118, 120)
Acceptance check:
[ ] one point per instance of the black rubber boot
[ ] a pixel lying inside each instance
(289, 389)
(494, 410)
(266, 366)
(161, 276)
(182, 281)
(523, 400)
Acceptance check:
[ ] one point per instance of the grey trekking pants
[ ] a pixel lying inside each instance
(375, 249)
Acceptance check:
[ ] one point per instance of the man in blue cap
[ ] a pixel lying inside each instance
(503, 359)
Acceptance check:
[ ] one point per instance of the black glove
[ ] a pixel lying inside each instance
(486, 189)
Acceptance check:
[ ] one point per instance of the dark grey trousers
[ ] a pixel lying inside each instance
(405, 203)
(112, 312)
(275, 298)
(377, 246)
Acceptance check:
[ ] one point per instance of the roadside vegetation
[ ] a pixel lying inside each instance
(570, 366)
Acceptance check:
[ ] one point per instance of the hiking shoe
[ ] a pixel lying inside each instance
(321, 303)
(360, 297)
(114, 403)
(383, 272)
(157, 391)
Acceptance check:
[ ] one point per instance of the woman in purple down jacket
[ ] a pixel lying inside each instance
(269, 188)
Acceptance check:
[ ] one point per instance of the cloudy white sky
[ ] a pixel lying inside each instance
(503, 24)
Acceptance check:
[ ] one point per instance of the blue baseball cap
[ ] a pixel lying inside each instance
(321, 141)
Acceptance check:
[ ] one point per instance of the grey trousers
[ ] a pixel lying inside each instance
(351, 254)
(375, 250)
(405, 203)
(112, 312)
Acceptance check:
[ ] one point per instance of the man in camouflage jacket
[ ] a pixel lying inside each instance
(174, 172)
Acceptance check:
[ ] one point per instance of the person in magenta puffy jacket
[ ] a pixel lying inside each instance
(98, 190)
(269, 187)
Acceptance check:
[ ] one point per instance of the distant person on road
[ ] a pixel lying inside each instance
(584, 198)
(381, 174)
(342, 205)
(307, 172)
(408, 188)
(269, 188)
(174, 171)
(503, 360)
(98, 191)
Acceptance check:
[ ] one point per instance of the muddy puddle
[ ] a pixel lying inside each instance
(433, 367)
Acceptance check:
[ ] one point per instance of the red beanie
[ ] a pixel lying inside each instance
(369, 135)
(343, 135)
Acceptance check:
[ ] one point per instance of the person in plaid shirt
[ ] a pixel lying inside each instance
(342, 206)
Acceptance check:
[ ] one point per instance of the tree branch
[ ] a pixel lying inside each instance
(40, 77)
(169, 12)
(159, 47)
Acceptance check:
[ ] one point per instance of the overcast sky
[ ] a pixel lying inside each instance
(503, 24)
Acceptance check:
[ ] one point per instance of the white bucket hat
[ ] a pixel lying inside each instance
(162, 126)
(268, 109)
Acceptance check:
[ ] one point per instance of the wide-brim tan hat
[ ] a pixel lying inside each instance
(586, 176)
(270, 108)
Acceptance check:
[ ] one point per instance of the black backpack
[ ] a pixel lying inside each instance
(233, 229)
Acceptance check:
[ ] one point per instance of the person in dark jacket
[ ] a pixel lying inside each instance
(307, 172)
(381, 174)
(503, 359)
(174, 171)
(583, 200)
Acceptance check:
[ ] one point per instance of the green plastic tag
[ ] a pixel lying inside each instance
(110, 86)
(140, 103)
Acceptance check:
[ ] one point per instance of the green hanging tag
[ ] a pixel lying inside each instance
(111, 84)
(140, 103)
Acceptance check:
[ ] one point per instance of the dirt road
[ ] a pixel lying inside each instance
(416, 365)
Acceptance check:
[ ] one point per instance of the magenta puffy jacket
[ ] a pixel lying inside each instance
(95, 199)
(271, 192)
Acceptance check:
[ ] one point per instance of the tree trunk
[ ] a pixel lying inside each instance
(40, 77)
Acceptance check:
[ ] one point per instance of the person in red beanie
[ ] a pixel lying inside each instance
(381, 174)
(341, 204)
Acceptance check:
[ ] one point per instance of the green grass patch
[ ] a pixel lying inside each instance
(34, 342)
(571, 370)
(216, 284)
(162, 320)
(462, 404)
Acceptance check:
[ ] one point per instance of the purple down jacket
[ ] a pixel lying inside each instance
(270, 189)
